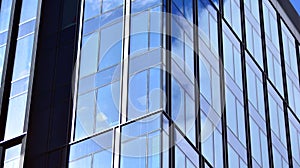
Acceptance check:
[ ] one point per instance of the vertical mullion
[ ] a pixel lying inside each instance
(125, 63)
(298, 58)
(168, 81)
(124, 82)
(196, 75)
(286, 102)
(9, 63)
(245, 89)
(267, 116)
(222, 83)
(222, 88)
(2, 150)
(265, 85)
(77, 69)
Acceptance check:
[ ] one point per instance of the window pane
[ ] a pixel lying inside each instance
(110, 4)
(15, 116)
(23, 57)
(91, 8)
(107, 106)
(85, 115)
(12, 157)
(5, 11)
(94, 151)
(137, 95)
(29, 10)
(89, 55)
(111, 46)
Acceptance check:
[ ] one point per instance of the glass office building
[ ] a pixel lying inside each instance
(149, 83)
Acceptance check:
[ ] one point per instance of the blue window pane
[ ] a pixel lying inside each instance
(155, 90)
(155, 27)
(100, 143)
(179, 4)
(3, 37)
(228, 56)
(85, 115)
(179, 158)
(205, 81)
(15, 116)
(111, 46)
(91, 25)
(29, 10)
(238, 68)
(5, 11)
(141, 5)
(91, 8)
(19, 86)
(178, 51)
(214, 35)
(232, 15)
(233, 157)
(255, 140)
(178, 104)
(84, 162)
(190, 119)
(26, 28)
(154, 151)
(136, 157)
(188, 10)
(111, 4)
(139, 43)
(103, 159)
(139, 33)
(241, 122)
(12, 157)
(89, 55)
(155, 40)
(107, 106)
(137, 96)
(23, 57)
(231, 110)
(203, 18)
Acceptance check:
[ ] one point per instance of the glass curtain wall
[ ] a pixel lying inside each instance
(21, 72)
(145, 136)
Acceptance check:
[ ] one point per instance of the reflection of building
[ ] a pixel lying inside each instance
(175, 83)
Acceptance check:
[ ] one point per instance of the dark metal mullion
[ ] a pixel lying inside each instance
(298, 58)
(168, 81)
(196, 76)
(267, 116)
(245, 89)
(263, 38)
(265, 80)
(2, 157)
(285, 103)
(9, 63)
(222, 88)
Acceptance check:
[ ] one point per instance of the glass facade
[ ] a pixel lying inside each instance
(225, 79)
(155, 83)
(212, 74)
(18, 32)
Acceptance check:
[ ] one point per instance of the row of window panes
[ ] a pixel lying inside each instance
(143, 143)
